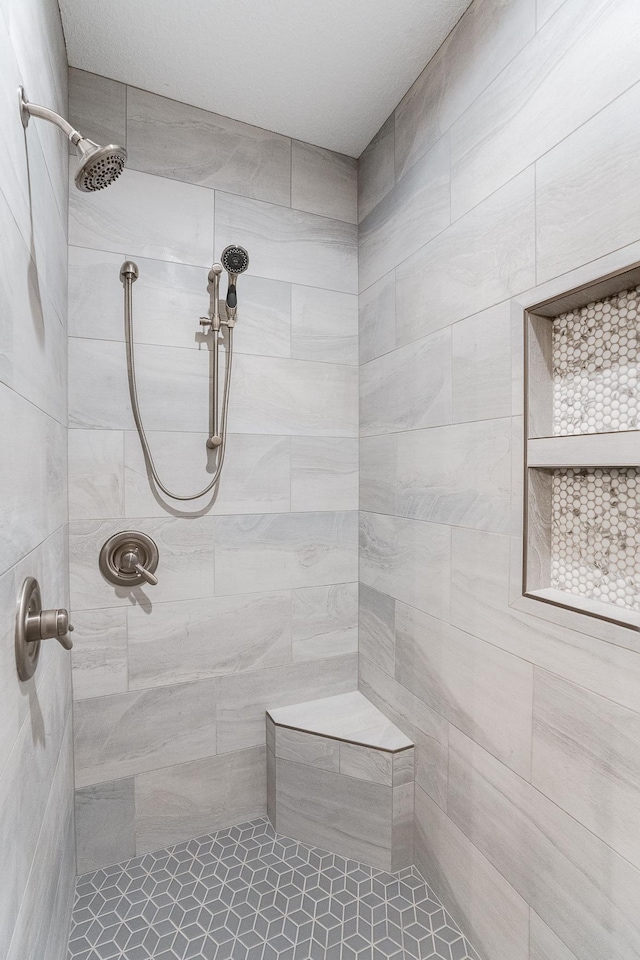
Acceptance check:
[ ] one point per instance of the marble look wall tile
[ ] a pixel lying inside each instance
(482, 690)
(377, 628)
(365, 763)
(131, 733)
(288, 244)
(494, 916)
(104, 824)
(515, 826)
(324, 325)
(587, 198)
(270, 395)
(324, 473)
(33, 493)
(264, 317)
(185, 570)
(98, 107)
(209, 637)
(408, 559)
(411, 214)
(146, 216)
(256, 475)
(243, 699)
(99, 656)
(325, 621)
(323, 182)
(95, 295)
(175, 140)
(96, 474)
(408, 388)
(459, 474)
(283, 551)
(377, 318)
(482, 44)
(481, 259)
(428, 729)
(586, 758)
(302, 747)
(378, 473)
(546, 9)
(545, 93)
(544, 944)
(403, 767)
(192, 799)
(376, 169)
(481, 365)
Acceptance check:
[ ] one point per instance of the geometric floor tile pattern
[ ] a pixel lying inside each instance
(247, 893)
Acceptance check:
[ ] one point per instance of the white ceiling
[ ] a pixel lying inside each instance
(326, 72)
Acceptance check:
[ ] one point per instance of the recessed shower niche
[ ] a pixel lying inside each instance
(582, 455)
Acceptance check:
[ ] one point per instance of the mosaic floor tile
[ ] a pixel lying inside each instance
(247, 893)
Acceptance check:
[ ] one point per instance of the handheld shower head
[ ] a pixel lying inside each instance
(99, 166)
(235, 260)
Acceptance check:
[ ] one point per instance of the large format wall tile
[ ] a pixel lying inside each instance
(323, 182)
(544, 944)
(408, 559)
(377, 636)
(408, 388)
(481, 259)
(99, 656)
(379, 473)
(586, 758)
(377, 318)
(128, 733)
(481, 365)
(196, 639)
(191, 799)
(289, 244)
(376, 169)
(324, 621)
(175, 140)
(545, 93)
(104, 824)
(275, 552)
(589, 895)
(96, 474)
(324, 473)
(146, 216)
(411, 214)
(479, 688)
(324, 325)
(98, 108)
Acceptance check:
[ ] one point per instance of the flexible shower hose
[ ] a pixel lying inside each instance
(133, 393)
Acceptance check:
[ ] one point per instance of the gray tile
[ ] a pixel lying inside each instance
(104, 824)
(98, 107)
(377, 628)
(324, 621)
(128, 733)
(323, 182)
(376, 169)
(171, 139)
(324, 473)
(544, 944)
(302, 747)
(482, 366)
(379, 473)
(365, 763)
(324, 325)
(96, 474)
(377, 318)
(99, 655)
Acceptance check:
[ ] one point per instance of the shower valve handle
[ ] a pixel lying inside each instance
(131, 562)
(50, 624)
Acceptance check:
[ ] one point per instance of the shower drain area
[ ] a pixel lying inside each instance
(247, 893)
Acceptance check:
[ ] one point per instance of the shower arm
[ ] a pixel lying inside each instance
(28, 110)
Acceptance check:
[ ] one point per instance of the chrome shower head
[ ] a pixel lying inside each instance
(99, 166)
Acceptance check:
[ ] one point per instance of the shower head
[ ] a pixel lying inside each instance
(235, 260)
(99, 166)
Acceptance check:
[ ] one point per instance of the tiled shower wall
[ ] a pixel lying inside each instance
(510, 162)
(256, 603)
(36, 779)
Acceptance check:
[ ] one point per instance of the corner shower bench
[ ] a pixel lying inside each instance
(340, 776)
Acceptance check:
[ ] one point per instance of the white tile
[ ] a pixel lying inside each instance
(288, 244)
(324, 325)
(208, 637)
(377, 318)
(99, 656)
(96, 474)
(172, 139)
(481, 259)
(148, 217)
(323, 182)
(325, 621)
(544, 944)
(324, 473)
(587, 200)
(376, 169)
(408, 559)
(278, 396)
(282, 551)
(545, 93)
(98, 107)
(255, 475)
(546, 9)
(482, 690)
(130, 733)
(412, 213)
(481, 365)
(408, 388)
(185, 568)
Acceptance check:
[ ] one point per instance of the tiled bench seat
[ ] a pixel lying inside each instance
(340, 776)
